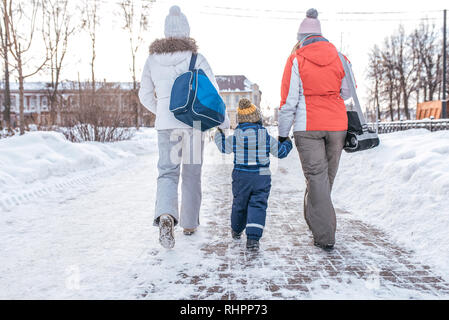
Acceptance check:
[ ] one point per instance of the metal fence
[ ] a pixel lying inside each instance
(431, 125)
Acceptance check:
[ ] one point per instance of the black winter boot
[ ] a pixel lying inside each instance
(235, 235)
(325, 247)
(252, 245)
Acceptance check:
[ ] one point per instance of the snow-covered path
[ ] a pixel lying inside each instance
(96, 240)
(93, 233)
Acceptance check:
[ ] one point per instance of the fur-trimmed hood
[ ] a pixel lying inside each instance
(170, 45)
(168, 59)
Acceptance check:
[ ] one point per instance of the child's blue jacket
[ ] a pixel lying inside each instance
(252, 145)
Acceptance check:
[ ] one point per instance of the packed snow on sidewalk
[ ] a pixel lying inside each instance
(42, 161)
(402, 187)
(103, 239)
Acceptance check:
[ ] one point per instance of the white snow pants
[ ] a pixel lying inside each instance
(180, 153)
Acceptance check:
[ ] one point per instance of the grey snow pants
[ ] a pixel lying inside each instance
(180, 153)
(319, 152)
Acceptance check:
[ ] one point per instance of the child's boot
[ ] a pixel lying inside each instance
(252, 245)
(236, 235)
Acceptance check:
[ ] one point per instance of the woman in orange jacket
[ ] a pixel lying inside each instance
(314, 86)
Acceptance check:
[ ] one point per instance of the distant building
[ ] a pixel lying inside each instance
(37, 109)
(429, 109)
(117, 95)
(35, 102)
(232, 89)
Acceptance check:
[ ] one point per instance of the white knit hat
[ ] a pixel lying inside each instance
(176, 24)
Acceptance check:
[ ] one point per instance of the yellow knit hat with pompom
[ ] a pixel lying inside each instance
(248, 112)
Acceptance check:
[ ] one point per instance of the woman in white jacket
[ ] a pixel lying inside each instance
(180, 146)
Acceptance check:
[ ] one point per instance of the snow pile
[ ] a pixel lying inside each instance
(39, 159)
(403, 187)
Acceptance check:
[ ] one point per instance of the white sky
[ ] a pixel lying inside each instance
(252, 37)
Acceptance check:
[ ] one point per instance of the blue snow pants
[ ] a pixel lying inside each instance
(249, 208)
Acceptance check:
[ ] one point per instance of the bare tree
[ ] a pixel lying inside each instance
(391, 90)
(96, 116)
(383, 77)
(410, 63)
(57, 30)
(405, 63)
(375, 74)
(426, 42)
(4, 33)
(135, 17)
(90, 23)
(22, 19)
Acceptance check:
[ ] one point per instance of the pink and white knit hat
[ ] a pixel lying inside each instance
(310, 25)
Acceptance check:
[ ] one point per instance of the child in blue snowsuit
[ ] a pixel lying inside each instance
(251, 177)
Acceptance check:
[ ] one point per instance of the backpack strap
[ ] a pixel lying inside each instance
(352, 87)
(193, 61)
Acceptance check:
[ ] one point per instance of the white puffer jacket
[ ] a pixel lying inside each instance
(168, 59)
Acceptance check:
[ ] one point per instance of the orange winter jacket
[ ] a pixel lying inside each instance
(311, 89)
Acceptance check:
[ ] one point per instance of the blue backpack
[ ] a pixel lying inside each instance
(194, 98)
